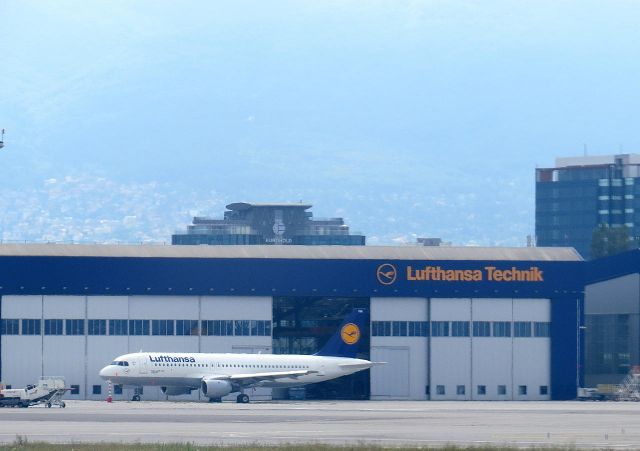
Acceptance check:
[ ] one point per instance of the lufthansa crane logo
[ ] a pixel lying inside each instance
(386, 274)
(350, 333)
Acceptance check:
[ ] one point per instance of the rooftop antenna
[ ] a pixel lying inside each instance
(2, 139)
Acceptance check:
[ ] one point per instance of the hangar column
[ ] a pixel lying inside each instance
(566, 349)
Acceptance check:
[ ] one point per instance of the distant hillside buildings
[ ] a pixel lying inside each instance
(580, 193)
(268, 223)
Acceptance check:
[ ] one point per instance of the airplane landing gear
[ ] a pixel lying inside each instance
(242, 399)
(136, 394)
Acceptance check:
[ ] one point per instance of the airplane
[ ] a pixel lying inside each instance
(218, 375)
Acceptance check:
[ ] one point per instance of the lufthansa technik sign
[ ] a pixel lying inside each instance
(387, 274)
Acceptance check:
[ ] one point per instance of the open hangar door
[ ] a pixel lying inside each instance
(302, 325)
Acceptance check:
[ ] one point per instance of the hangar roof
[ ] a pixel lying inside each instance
(294, 252)
(613, 266)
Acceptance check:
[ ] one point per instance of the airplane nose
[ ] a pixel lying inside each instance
(104, 373)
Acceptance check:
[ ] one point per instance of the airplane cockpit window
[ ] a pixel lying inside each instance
(120, 363)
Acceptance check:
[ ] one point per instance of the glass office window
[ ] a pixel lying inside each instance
(260, 328)
(187, 327)
(381, 328)
(459, 328)
(9, 327)
(53, 327)
(162, 327)
(542, 329)
(138, 327)
(74, 326)
(501, 329)
(31, 327)
(399, 328)
(439, 328)
(241, 327)
(118, 327)
(522, 329)
(97, 326)
(481, 329)
(418, 328)
(217, 327)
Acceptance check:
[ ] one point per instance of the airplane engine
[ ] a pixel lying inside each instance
(216, 388)
(175, 391)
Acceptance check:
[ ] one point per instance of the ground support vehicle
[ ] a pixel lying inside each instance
(48, 391)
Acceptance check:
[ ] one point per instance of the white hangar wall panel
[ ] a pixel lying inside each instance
(100, 348)
(492, 359)
(450, 355)
(405, 374)
(22, 362)
(471, 350)
(532, 355)
(80, 357)
(65, 354)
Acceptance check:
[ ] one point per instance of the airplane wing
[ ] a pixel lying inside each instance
(256, 378)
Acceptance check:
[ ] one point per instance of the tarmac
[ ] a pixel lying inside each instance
(383, 423)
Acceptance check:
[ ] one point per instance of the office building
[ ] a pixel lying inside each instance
(580, 193)
(273, 223)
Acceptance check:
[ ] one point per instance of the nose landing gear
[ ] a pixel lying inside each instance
(242, 399)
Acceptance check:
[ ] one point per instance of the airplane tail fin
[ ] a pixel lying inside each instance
(344, 342)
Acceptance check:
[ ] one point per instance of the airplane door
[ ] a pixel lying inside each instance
(144, 366)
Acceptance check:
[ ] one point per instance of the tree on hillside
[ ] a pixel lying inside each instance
(609, 241)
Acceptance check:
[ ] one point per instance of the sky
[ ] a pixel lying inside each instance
(407, 118)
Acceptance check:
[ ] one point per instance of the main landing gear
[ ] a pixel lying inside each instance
(136, 394)
(242, 399)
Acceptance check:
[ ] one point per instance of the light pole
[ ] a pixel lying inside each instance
(2, 139)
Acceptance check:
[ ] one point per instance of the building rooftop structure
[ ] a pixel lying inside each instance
(268, 223)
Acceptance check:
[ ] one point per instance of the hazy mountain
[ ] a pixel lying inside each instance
(405, 117)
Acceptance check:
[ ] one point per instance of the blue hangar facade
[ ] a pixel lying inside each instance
(451, 323)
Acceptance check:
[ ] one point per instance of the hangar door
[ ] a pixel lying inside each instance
(390, 380)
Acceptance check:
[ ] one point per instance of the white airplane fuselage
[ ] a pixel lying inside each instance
(243, 370)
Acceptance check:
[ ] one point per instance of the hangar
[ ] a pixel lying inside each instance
(452, 323)
(612, 314)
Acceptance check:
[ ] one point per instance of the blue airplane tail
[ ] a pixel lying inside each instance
(344, 342)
